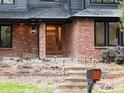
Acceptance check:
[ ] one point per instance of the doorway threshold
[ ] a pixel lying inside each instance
(52, 56)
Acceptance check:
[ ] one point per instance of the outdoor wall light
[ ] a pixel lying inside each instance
(22, 24)
(33, 29)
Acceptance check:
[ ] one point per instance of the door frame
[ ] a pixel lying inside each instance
(55, 25)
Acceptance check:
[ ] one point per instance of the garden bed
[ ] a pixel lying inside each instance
(112, 79)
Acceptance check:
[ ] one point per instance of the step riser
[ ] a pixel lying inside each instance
(74, 90)
(80, 83)
(79, 74)
(75, 80)
(73, 87)
(76, 69)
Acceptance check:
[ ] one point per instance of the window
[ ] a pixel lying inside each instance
(51, 0)
(5, 37)
(100, 33)
(7, 1)
(108, 34)
(105, 1)
(122, 35)
(113, 32)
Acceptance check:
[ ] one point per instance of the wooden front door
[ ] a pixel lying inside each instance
(53, 40)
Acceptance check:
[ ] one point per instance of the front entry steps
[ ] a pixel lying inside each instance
(75, 80)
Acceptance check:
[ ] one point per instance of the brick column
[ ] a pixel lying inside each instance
(42, 40)
(85, 39)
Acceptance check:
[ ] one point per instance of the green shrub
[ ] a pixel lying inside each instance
(114, 54)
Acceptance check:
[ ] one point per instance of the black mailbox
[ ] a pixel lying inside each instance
(94, 74)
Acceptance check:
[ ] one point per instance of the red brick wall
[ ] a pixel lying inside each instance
(85, 41)
(70, 37)
(42, 40)
(79, 39)
(22, 41)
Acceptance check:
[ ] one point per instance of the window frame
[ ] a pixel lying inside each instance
(95, 34)
(2, 3)
(117, 35)
(106, 34)
(121, 37)
(102, 2)
(49, 1)
(11, 29)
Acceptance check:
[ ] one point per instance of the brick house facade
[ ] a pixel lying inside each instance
(63, 28)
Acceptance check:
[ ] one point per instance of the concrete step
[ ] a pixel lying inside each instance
(75, 78)
(76, 68)
(77, 72)
(72, 86)
(76, 83)
(70, 91)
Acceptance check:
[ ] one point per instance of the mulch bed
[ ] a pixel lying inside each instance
(112, 76)
(29, 74)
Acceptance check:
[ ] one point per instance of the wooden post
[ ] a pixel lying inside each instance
(94, 63)
(90, 61)
(85, 59)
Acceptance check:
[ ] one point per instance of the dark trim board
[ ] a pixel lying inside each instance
(8, 21)
(69, 19)
(62, 20)
(96, 18)
(102, 2)
(107, 19)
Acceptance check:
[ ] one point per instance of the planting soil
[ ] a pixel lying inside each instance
(50, 72)
(112, 78)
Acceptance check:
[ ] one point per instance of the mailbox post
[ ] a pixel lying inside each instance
(93, 75)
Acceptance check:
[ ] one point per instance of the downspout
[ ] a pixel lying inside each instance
(69, 1)
(38, 32)
(84, 4)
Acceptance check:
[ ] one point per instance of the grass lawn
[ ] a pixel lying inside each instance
(120, 91)
(10, 87)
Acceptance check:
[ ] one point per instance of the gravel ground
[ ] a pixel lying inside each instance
(112, 78)
(112, 74)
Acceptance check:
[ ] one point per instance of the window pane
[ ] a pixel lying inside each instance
(8, 1)
(113, 26)
(0, 1)
(99, 33)
(105, 1)
(51, 0)
(5, 37)
(108, 1)
(122, 41)
(96, 1)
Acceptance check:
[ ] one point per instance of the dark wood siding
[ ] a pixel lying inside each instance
(19, 5)
(76, 4)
